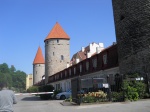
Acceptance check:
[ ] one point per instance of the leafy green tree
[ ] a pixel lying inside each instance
(4, 68)
(12, 69)
(15, 79)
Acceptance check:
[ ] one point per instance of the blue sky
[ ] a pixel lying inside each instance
(24, 24)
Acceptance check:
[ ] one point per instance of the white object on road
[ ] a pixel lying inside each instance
(34, 93)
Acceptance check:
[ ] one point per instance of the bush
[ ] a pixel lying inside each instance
(117, 96)
(132, 94)
(93, 97)
(141, 88)
(46, 88)
(69, 99)
(134, 89)
(33, 89)
(88, 99)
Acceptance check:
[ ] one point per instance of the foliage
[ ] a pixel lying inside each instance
(93, 97)
(33, 89)
(117, 96)
(89, 99)
(15, 79)
(69, 99)
(4, 68)
(141, 88)
(132, 93)
(146, 95)
(46, 88)
(132, 88)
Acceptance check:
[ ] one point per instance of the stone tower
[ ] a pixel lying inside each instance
(38, 66)
(132, 24)
(57, 51)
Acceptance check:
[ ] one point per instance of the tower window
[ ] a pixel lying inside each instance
(47, 42)
(57, 41)
(53, 53)
(62, 57)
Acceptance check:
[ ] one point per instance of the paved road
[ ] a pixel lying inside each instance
(34, 104)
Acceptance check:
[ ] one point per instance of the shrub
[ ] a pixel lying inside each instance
(141, 88)
(130, 92)
(33, 89)
(46, 88)
(88, 99)
(138, 87)
(93, 96)
(117, 96)
(69, 99)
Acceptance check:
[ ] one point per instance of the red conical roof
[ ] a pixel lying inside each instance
(57, 32)
(39, 59)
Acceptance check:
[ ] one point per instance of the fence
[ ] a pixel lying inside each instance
(115, 88)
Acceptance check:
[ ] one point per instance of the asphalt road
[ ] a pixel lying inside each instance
(34, 104)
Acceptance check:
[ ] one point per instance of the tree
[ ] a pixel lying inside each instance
(15, 79)
(12, 68)
(4, 68)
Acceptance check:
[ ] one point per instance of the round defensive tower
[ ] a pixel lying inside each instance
(57, 51)
(132, 24)
(38, 67)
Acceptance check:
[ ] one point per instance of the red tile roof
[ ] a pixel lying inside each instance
(39, 59)
(57, 32)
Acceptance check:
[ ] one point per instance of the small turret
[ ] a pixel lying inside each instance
(38, 66)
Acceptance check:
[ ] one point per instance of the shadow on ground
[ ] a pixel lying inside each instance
(33, 98)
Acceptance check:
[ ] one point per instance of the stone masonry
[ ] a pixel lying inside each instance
(53, 56)
(132, 24)
(38, 72)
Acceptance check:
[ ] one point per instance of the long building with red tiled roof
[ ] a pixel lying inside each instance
(38, 66)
